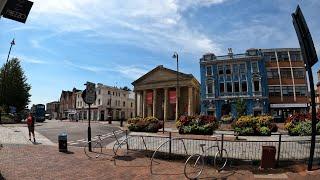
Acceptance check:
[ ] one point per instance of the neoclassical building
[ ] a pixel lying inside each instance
(112, 102)
(155, 94)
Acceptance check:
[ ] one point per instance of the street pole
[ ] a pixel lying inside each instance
(175, 55)
(89, 129)
(4, 75)
(314, 116)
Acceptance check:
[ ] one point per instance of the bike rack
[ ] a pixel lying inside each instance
(126, 141)
(169, 140)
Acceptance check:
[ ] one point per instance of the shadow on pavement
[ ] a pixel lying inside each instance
(36, 143)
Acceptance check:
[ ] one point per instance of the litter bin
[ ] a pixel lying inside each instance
(268, 159)
(62, 139)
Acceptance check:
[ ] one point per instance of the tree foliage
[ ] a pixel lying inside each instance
(241, 106)
(126, 88)
(14, 89)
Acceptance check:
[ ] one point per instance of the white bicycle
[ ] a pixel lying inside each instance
(194, 165)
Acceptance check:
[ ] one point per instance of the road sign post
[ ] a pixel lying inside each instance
(89, 97)
(310, 58)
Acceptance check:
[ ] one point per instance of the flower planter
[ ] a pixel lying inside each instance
(199, 125)
(300, 124)
(148, 124)
(254, 126)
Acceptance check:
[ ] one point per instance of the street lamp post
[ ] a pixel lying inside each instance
(4, 74)
(176, 56)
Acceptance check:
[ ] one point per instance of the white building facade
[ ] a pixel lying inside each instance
(111, 102)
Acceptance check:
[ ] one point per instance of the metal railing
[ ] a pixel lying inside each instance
(237, 149)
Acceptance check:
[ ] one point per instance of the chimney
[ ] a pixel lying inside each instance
(230, 53)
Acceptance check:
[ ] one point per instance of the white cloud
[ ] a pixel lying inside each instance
(94, 69)
(30, 60)
(153, 25)
(133, 72)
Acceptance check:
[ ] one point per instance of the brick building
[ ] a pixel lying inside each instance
(52, 108)
(67, 109)
(287, 82)
(317, 91)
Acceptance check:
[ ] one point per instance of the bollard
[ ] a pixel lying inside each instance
(222, 138)
(170, 143)
(279, 147)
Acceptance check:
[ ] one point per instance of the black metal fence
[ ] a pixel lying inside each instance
(237, 149)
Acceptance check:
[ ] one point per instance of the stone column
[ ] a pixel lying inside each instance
(135, 103)
(177, 102)
(190, 101)
(144, 104)
(154, 102)
(165, 106)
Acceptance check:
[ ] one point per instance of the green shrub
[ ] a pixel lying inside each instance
(265, 131)
(250, 125)
(306, 128)
(247, 131)
(318, 128)
(296, 130)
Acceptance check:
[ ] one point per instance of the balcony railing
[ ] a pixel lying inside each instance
(236, 94)
(210, 95)
(258, 93)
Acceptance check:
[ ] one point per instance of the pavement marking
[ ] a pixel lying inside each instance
(270, 176)
(103, 137)
(73, 143)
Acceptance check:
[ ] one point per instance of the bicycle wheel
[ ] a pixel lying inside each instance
(193, 167)
(121, 148)
(220, 161)
(96, 150)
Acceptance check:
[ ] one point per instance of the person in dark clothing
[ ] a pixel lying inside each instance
(30, 122)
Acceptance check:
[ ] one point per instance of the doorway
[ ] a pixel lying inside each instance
(102, 116)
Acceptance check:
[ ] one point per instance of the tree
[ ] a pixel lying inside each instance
(126, 88)
(241, 107)
(14, 87)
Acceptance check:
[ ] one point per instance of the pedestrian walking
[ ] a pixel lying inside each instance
(30, 122)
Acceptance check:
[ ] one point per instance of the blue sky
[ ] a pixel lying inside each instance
(66, 43)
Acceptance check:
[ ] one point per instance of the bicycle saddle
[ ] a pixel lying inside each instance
(202, 145)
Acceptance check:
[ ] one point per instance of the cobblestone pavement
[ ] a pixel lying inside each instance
(45, 162)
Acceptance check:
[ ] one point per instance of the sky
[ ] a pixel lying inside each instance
(65, 43)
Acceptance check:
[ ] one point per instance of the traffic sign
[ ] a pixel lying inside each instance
(305, 40)
(89, 95)
(17, 10)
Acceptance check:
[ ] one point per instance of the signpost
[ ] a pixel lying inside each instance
(17, 10)
(310, 58)
(89, 96)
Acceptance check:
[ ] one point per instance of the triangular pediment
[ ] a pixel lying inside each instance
(160, 74)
